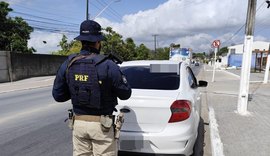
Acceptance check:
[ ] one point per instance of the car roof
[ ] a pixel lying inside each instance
(148, 62)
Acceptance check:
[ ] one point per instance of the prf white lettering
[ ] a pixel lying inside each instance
(79, 77)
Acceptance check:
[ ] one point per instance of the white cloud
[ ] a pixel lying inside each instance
(51, 39)
(187, 22)
(192, 23)
(260, 38)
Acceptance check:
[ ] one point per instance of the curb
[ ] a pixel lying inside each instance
(216, 144)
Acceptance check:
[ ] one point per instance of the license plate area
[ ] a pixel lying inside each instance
(134, 145)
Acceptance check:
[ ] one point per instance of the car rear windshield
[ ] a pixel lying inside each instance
(139, 77)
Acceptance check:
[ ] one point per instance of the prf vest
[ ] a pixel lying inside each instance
(83, 82)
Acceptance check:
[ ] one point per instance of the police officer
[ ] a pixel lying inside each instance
(93, 83)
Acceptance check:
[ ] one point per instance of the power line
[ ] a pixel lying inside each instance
(50, 29)
(111, 9)
(235, 34)
(98, 8)
(43, 22)
(45, 18)
(44, 12)
(116, 16)
(53, 30)
(242, 26)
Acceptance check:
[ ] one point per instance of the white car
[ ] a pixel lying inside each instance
(163, 113)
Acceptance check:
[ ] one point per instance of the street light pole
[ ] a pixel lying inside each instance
(87, 9)
(246, 61)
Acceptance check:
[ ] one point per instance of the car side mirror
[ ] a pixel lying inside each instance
(202, 83)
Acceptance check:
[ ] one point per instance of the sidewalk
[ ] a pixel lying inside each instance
(29, 83)
(233, 134)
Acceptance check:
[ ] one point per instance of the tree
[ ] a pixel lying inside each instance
(14, 33)
(200, 56)
(129, 50)
(223, 50)
(64, 43)
(113, 43)
(161, 54)
(68, 48)
(75, 47)
(142, 52)
(65, 46)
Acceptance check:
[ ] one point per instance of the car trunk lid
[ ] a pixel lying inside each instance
(149, 110)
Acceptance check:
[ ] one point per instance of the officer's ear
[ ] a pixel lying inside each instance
(97, 44)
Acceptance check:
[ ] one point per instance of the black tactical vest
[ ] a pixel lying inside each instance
(83, 82)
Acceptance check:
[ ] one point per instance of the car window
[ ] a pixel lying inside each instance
(139, 77)
(191, 78)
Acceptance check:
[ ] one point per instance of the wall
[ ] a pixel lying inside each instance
(224, 61)
(29, 65)
(4, 73)
(236, 60)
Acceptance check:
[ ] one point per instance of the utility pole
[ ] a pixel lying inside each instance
(265, 80)
(87, 9)
(155, 40)
(246, 61)
(215, 61)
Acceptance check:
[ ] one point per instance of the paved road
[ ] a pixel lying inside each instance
(32, 124)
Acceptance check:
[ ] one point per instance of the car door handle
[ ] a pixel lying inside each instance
(124, 110)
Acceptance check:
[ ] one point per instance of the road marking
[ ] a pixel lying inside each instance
(210, 70)
(20, 89)
(216, 144)
(225, 72)
(29, 112)
(49, 79)
(231, 74)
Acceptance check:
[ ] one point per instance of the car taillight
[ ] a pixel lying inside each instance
(180, 110)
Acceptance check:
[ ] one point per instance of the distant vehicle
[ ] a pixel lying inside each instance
(180, 54)
(197, 64)
(163, 114)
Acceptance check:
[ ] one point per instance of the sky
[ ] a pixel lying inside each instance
(192, 23)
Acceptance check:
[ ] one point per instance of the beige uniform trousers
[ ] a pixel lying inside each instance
(90, 140)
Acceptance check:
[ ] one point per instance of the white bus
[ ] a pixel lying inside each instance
(180, 54)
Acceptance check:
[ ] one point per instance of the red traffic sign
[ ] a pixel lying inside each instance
(216, 43)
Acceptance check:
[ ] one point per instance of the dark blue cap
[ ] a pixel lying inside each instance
(90, 31)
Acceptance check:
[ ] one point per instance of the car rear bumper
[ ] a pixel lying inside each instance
(124, 153)
(177, 138)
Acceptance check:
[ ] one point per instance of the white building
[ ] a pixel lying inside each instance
(260, 51)
(238, 49)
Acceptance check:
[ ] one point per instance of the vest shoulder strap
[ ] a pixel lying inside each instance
(75, 57)
(99, 59)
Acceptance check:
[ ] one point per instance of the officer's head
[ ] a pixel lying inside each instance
(90, 34)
